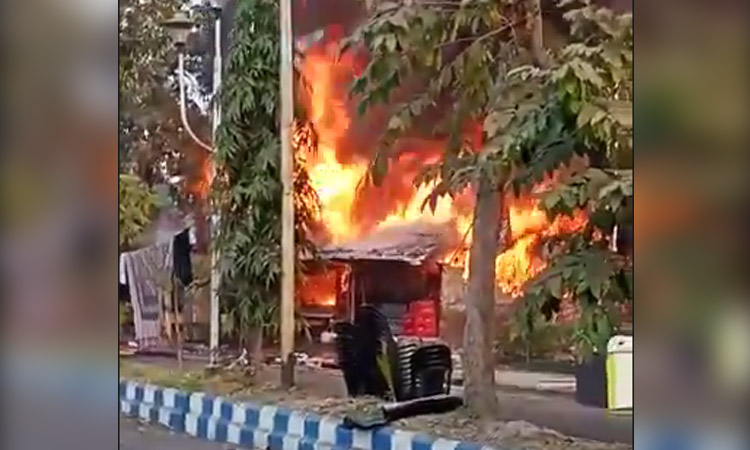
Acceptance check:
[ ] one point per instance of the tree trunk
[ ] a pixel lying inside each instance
(178, 331)
(536, 33)
(254, 345)
(479, 367)
(202, 214)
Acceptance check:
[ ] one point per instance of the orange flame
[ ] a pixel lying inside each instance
(319, 289)
(334, 182)
(350, 208)
(528, 227)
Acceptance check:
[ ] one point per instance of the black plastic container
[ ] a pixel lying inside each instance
(591, 382)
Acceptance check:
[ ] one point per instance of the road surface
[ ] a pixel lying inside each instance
(136, 436)
(564, 415)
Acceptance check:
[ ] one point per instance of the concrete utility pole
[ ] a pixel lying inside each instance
(214, 224)
(287, 203)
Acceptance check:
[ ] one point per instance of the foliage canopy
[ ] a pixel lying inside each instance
(248, 185)
(151, 133)
(475, 60)
(137, 206)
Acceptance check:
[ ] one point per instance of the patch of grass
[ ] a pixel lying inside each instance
(149, 373)
(546, 342)
(190, 382)
(223, 383)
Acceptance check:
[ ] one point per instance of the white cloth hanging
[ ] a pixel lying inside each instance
(147, 270)
(123, 272)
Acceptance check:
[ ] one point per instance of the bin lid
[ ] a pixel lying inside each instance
(620, 344)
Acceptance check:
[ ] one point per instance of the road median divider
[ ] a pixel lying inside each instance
(264, 427)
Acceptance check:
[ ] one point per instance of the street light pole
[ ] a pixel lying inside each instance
(180, 26)
(287, 202)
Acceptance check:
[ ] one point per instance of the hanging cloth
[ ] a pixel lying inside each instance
(183, 269)
(123, 292)
(147, 271)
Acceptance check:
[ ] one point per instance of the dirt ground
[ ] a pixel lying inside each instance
(322, 394)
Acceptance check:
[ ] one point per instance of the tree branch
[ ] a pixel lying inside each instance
(485, 35)
(451, 4)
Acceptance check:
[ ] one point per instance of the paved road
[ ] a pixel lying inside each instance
(563, 414)
(135, 436)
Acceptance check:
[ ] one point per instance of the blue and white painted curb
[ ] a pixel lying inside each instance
(264, 427)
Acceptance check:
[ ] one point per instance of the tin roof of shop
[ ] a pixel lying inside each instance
(413, 243)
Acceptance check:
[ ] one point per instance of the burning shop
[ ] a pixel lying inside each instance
(398, 270)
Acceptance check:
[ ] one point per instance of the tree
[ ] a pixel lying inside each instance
(153, 144)
(151, 133)
(592, 84)
(148, 123)
(248, 187)
(480, 60)
(137, 206)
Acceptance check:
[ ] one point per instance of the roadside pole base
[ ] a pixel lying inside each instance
(287, 371)
(211, 369)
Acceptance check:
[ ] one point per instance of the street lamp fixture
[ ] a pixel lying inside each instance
(218, 5)
(179, 28)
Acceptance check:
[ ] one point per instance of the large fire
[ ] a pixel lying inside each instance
(352, 207)
(528, 226)
(319, 290)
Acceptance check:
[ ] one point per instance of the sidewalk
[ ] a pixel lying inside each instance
(536, 381)
(523, 396)
(524, 380)
(506, 378)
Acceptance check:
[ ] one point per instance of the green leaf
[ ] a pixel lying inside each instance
(603, 219)
(399, 19)
(396, 123)
(391, 42)
(359, 85)
(622, 112)
(628, 276)
(550, 201)
(385, 6)
(569, 199)
(524, 72)
(446, 76)
(496, 121)
(416, 107)
(588, 110)
(598, 117)
(586, 72)
(554, 285)
(610, 190)
(603, 331)
(627, 189)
